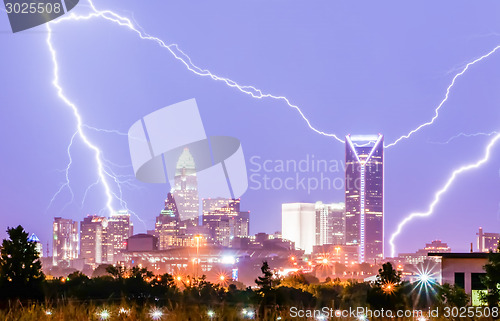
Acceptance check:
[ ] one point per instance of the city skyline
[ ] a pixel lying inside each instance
(400, 81)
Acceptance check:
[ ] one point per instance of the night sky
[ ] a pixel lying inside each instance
(353, 67)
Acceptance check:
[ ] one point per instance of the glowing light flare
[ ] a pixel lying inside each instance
(123, 311)
(424, 278)
(248, 314)
(325, 259)
(437, 197)
(362, 317)
(389, 287)
(156, 314)
(104, 314)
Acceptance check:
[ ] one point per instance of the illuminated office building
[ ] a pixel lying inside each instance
(364, 198)
(65, 241)
(185, 190)
(487, 242)
(330, 223)
(224, 220)
(115, 235)
(167, 224)
(92, 235)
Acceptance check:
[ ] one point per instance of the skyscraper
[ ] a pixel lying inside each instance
(167, 224)
(92, 230)
(185, 190)
(224, 220)
(39, 248)
(65, 241)
(364, 195)
(298, 224)
(330, 223)
(118, 230)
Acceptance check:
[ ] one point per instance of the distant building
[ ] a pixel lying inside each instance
(330, 223)
(487, 242)
(65, 245)
(263, 241)
(436, 246)
(224, 220)
(208, 260)
(422, 254)
(142, 242)
(343, 254)
(364, 195)
(167, 229)
(92, 234)
(116, 233)
(38, 245)
(298, 223)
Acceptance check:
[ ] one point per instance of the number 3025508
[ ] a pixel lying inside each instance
(33, 8)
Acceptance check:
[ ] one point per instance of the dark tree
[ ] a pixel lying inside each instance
(387, 275)
(268, 281)
(267, 290)
(452, 296)
(118, 272)
(101, 270)
(21, 273)
(492, 279)
(388, 291)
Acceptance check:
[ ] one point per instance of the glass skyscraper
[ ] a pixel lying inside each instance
(65, 246)
(330, 223)
(224, 220)
(364, 195)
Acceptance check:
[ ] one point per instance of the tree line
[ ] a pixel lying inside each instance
(22, 279)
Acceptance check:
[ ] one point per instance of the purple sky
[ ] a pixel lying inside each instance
(353, 67)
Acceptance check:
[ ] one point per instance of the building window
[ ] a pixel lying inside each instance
(475, 280)
(460, 279)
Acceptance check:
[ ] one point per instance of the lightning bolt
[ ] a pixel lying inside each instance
(179, 55)
(67, 182)
(252, 91)
(437, 197)
(464, 135)
(102, 174)
(447, 95)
